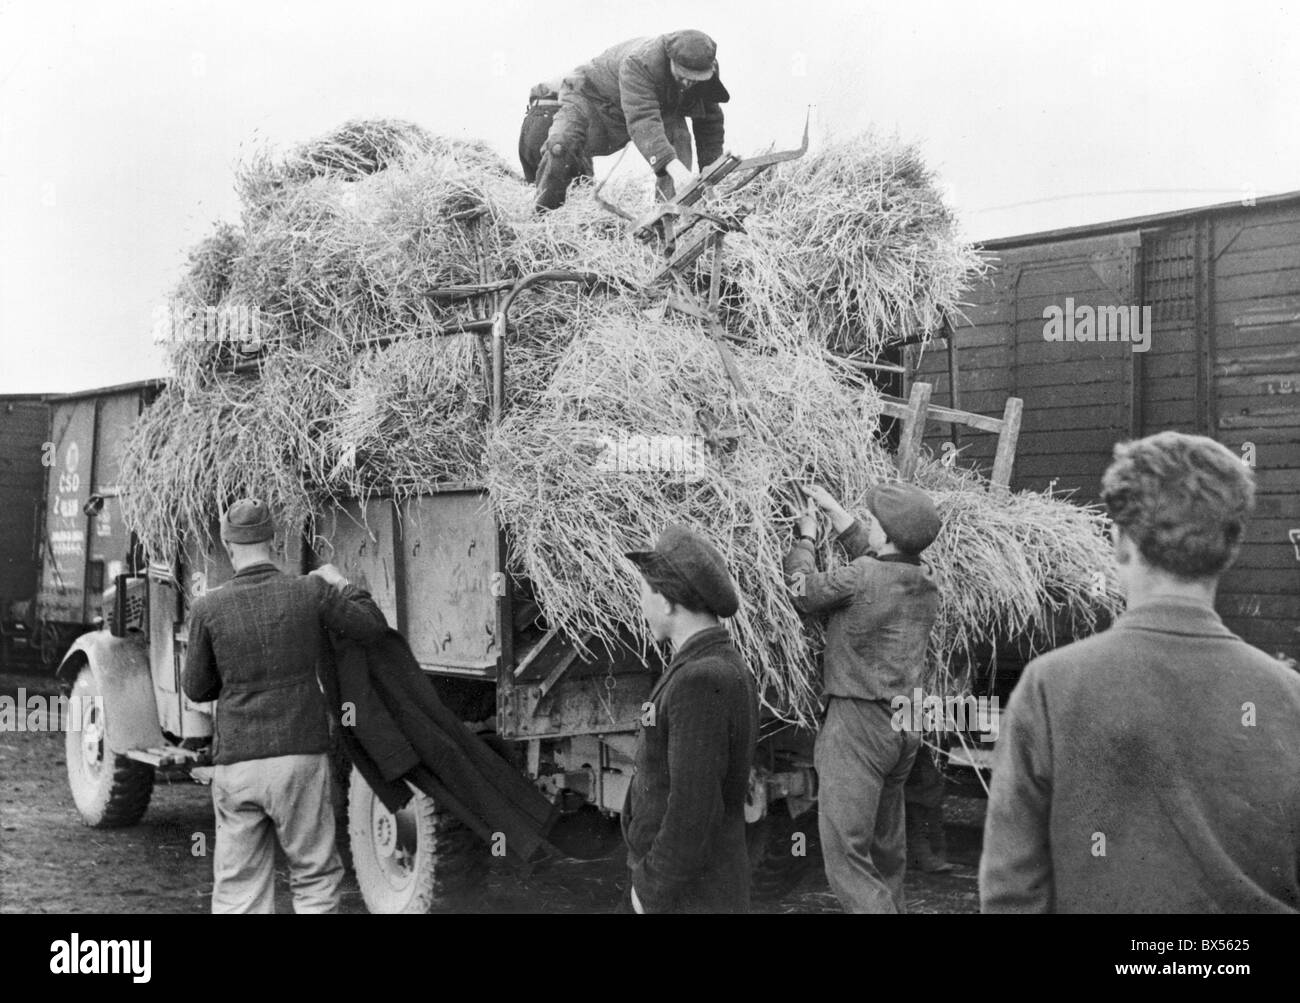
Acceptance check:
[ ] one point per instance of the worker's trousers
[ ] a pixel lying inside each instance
(578, 133)
(862, 766)
(257, 801)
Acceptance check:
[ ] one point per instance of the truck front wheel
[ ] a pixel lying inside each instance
(411, 860)
(109, 789)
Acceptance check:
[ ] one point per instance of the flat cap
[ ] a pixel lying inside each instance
(247, 521)
(692, 53)
(906, 514)
(694, 566)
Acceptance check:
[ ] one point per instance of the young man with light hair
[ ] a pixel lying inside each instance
(1154, 767)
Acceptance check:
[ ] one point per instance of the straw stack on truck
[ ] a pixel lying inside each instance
(477, 411)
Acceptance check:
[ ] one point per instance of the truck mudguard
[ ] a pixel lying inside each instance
(121, 669)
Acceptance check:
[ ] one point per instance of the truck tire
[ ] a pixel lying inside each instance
(110, 790)
(775, 868)
(412, 861)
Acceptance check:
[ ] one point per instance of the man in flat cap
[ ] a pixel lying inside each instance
(643, 89)
(880, 608)
(254, 644)
(684, 817)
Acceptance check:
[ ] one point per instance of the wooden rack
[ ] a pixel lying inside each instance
(917, 410)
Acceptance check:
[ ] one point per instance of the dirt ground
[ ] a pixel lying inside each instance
(51, 863)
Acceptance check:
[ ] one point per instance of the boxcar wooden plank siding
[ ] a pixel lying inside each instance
(24, 427)
(1055, 374)
(1281, 584)
(1281, 230)
(1267, 607)
(1238, 333)
(1177, 416)
(1035, 351)
(1263, 261)
(1170, 366)
(1258, 286)
(1233, 337)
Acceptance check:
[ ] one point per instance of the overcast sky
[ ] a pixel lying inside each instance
(120, 122)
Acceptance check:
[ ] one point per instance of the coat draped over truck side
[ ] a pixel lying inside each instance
(396, 729)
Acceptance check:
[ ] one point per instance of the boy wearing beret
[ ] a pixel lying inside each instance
(880, 608)
(684, 817)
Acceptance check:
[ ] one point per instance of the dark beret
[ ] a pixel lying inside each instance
(906, 514)
(693, 564)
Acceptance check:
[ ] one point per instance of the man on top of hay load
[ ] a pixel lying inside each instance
(1154, 767)
(881, 608)
(684, 817)
(643, 90)
(254, 645)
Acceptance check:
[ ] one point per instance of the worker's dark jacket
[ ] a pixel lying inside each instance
(629, 91)
(396, 729)
(1154, 767)
(684, 818)
(255, 644)
(881, 612)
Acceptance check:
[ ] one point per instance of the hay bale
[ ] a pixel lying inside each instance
(855, 241)
(210, 267)
(411, 416)
(357, 149)
(211, 438)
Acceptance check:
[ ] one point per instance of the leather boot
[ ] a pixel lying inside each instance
(554, 173)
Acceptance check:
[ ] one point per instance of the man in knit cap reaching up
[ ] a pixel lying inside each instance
(880, 608)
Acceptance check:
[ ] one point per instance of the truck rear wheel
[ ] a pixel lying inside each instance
(110, 790)
(413, 860)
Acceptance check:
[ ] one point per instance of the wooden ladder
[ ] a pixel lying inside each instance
(917, 410)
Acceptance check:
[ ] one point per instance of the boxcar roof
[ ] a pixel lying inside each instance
(1132, 223)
